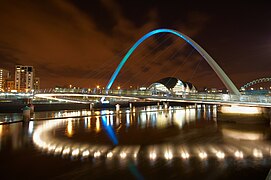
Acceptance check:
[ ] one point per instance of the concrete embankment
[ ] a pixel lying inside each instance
(11, 107)
(17, 107)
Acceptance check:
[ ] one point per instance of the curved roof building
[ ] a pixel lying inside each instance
(172, 85)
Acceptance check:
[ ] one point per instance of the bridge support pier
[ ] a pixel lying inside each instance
(90, 106)
(117, 107)
(165, 105)
(26, 114)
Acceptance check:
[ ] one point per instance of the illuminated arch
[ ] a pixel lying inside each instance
(221, 74)
(256, 81)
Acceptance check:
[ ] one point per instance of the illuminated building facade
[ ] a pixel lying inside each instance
(4, 75)
(172, 86)
(9, 86)
(37, 83)
(24, 78)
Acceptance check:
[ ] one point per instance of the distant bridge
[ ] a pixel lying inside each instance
(256, 81)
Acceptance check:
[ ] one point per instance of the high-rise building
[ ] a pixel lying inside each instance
(37, 83)
(4, 75)
(9, 86)
(24, 78)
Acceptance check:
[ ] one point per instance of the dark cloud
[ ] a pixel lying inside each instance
(81, 42)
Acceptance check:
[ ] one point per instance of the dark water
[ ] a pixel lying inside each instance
(150, 143)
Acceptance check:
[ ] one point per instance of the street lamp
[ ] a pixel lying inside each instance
(118, 87)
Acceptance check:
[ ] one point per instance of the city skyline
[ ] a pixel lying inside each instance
(81, 42)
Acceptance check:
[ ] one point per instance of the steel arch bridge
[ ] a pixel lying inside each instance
(256, 81)
(221, 74)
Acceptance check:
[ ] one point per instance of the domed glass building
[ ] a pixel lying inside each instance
(172, 86)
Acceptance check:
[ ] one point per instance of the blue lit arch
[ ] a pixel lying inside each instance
(221, 74)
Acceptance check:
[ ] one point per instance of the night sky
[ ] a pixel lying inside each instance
(81, 42)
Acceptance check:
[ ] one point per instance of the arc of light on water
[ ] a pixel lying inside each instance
(221, 74)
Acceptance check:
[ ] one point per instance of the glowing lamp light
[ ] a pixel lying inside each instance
(58, 150)
(123, 155)
(239, 154)
(109, 155)
(168, 155)
(66, 151)
(257, 153)
(185, 155)
(75, 152)
(97, 154)
(202, 155)
(220, 155)
(85, 153)
(153, 155)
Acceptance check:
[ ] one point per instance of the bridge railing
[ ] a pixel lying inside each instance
(219, 97)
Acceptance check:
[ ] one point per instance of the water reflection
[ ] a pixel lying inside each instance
(69, 129)
(186, 140)
(212, 145)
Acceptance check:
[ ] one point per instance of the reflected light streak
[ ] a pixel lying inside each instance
(153, 155)
(239, 154)
(58, 150)
(43, 139)
(168, 155)
(257, 153)
(123, 155)
(97, 154)
(66, 151)
(235, 134)
(240, 110)
(185, 155)
(109, 130)
(30, 127)
(98, 128)
(75, 152)
(85, 153)
(1, 130)
(109, 155)
(220, 155)
(69, 129)
(203, 155)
